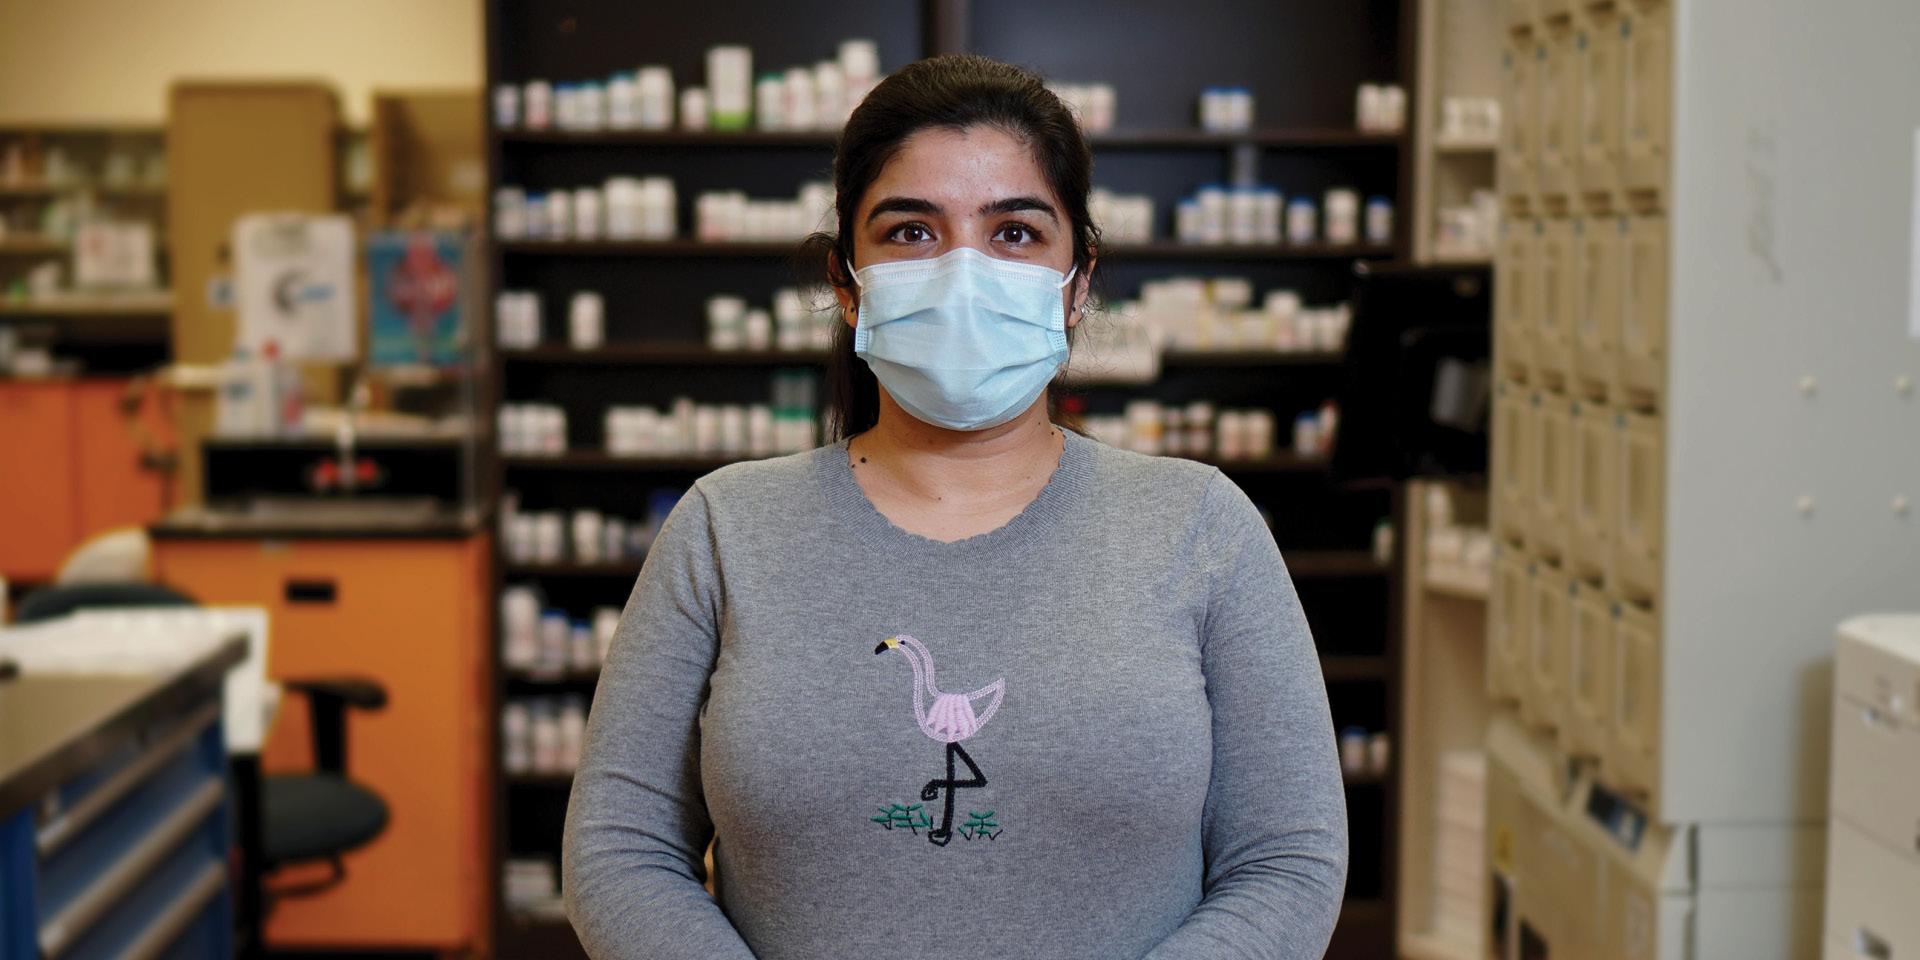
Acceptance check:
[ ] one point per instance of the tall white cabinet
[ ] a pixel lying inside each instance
(1706, 455)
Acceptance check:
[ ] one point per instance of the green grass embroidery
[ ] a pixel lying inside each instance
(980, 826)
(913, 818)
(910, 818)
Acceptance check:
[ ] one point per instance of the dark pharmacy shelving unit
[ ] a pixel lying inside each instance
(1303, 60)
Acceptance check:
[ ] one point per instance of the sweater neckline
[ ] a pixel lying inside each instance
(1062, 493)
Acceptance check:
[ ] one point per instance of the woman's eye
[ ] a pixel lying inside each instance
(910, 233)
(1016, 233)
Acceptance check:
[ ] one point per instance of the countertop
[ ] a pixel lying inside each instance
(54, 726)
(320, 520)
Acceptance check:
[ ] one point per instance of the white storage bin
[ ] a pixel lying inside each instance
(1598, 245)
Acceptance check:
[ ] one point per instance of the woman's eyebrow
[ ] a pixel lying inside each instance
(903, 205)
(1017, 204)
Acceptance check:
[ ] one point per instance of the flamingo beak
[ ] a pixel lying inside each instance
(885, 645)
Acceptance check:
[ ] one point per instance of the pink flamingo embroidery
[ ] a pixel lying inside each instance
(949, 720)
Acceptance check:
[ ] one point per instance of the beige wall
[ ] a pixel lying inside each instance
(112, 60)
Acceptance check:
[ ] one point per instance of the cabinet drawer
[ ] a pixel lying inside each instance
(1557, 107)
(1589, 671)
(1519, 139)
(1553, 441)
(1507, 626)
(1598, 42)
(1632, 761)
(1596, 306)
(1642, 367)
(1515, 298)
(1512, 461)
(1646, 108)
(1592, 501)
(1640, 493)
(1556, 292)
(1544, 706)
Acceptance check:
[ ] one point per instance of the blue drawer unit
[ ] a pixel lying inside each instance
(126, 855)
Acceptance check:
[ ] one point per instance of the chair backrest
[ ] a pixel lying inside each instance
(59, 600)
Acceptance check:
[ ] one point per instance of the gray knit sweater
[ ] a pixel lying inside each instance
(1097, 732)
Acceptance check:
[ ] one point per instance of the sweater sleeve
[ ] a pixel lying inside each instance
(632, 860)
(1275, 825)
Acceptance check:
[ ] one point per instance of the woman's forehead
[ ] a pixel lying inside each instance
(961, 168)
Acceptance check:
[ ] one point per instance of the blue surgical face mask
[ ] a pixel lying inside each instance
(963, 340)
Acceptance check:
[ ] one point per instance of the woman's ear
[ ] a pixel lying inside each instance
(1078, 308)
(849, 304)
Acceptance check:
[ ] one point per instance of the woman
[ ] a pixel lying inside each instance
(1125, 751)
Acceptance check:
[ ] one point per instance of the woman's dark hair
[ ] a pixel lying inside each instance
(953, 91)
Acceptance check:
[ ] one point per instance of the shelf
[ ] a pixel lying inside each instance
(596, 461)
(1252, 358)
(101, 306)
(1331, 564)
(1466, 147)
(573, 570)
(544, 780)
(1357, 912)
(661, 354)
(1462, 260)
(1347, 669)
(1173, 250)
(1277, 463)
(1158, 250)
(1368, 779)
(650, 248)
(130, 190)
(29, 245)
(1278, 138)
(824, 139)
(532, 935)
(1171, 139)
(1458, 583)
(1428, 946)
(669, 354)
(528, 683)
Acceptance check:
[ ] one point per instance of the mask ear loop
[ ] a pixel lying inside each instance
(1063, 285)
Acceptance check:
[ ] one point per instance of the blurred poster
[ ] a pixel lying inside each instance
(293, 284)
(415, 281)
(114, 255)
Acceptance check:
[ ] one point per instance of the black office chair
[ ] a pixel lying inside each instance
(295, 818)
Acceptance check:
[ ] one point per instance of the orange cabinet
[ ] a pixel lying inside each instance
(70, 470)
(411, 614)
